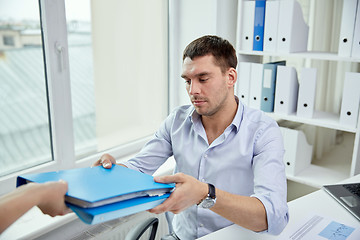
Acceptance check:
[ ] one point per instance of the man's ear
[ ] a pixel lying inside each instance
(232, 77)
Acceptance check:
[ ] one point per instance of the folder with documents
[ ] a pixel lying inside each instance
(271, 25)
(97, 187)
(298, 152)
(247, 26)
(347, 27)
(286, 92)
(116, 210)
(268, 86)
(255, 85)
(350, 100)
(259, 19)
(243, 90)
(292, 30)
(355, 51)
(307, 91)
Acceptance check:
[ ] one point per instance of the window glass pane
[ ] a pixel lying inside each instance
(81, 75)
(24, 122)
(118, 69)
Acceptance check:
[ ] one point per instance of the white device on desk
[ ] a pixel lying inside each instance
(348, 195)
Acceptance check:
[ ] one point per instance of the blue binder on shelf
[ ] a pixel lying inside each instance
(268, 86)
(259, 20)
(114, 192)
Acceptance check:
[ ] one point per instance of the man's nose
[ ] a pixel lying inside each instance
(194, 88)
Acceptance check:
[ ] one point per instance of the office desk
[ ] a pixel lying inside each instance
(318, 202)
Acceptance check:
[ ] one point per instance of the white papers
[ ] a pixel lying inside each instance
(317, 227)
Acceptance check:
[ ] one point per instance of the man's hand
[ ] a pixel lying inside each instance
(188, 191)
(106, 161)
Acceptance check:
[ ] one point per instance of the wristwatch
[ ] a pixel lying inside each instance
(210, 199)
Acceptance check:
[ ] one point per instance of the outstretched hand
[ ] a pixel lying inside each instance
(52, 198)
(188, 191)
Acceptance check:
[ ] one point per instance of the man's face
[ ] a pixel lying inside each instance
(207, 86)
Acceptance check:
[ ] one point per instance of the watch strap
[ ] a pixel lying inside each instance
(211, 193)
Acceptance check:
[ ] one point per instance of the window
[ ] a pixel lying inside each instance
(118, 71)
(24, 122)
(93, 81)
(8, 40)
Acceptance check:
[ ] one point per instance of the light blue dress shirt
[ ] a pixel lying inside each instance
(247, 159)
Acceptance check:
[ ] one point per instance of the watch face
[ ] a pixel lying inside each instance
(208, 203)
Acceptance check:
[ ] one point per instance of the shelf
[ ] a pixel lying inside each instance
(317, 176)
(312, 55)
(320, 119)
(332, 168)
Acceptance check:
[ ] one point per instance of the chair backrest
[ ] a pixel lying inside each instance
(169, 217)
(141, 228)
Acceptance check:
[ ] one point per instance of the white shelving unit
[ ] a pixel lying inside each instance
(343, 160)
(311, 55)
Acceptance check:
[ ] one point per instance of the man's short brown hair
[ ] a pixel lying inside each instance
(222, 50)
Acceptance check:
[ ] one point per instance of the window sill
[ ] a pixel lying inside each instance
(34, 223)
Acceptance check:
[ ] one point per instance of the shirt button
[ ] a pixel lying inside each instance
(203, 180)
(205, 156)
(201, 225)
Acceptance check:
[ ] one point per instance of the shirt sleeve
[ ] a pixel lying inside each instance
(270, 185)
(155, 152)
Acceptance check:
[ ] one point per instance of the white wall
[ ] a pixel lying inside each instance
(130, 42)
(188, 20)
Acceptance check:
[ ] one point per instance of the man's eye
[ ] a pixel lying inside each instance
(203, 79)
(187, 81)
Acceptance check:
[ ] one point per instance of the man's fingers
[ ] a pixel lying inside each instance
(169, 178)
(97, 163)
(164, 207)
(106, 161)
(67, 210)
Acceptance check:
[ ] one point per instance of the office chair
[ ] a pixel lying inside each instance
(141, 228)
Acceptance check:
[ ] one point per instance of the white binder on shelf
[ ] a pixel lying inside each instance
(286, 92)
(347, 27)
(298, 152)
(307, 91)
(355, 50)
(243, 85)
(292, 30)
(271, 25)
(350, 99)
(256, 85)
(247, 26)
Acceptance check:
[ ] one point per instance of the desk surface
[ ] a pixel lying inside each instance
(318, 202)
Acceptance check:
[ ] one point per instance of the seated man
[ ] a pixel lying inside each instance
(229, 157)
